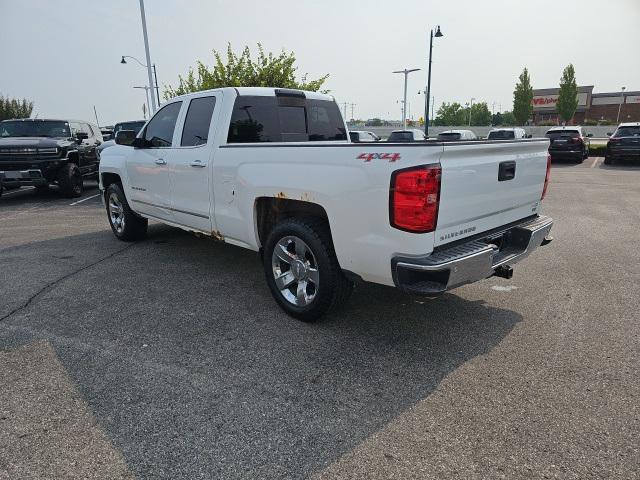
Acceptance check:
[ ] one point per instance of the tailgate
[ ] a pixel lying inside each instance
(473, 199)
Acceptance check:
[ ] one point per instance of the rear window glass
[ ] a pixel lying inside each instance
(501, 135)
(266, 119)
(449, 136)
(627, 132)
(397, 136)
(562, 133)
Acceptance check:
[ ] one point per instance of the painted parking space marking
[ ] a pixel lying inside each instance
(597, 161)
(84, 199)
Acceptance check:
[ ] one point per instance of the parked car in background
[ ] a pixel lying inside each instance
(107, 132)
(456, 135)
(272, 170)
(506, 134)
(624, 143)
(134, 125)
(568, 142)
(411, 135)
(360, 136)
(42, 152)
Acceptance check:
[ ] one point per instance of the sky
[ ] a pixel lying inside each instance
(65, 54)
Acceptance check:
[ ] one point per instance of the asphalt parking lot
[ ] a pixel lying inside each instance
(168, 358)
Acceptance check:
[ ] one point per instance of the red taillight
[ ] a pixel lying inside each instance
(414, 198)
(546, 177)
(577, 140)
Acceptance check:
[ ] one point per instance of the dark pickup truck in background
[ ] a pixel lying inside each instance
(46, 152)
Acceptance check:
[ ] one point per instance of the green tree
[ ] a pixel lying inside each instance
(496, 119)
(480, 114)
(13, 108)
(508, 119)
(374, 122)
(522, 98)
(451, 114)
(568, 96)
(268, 70)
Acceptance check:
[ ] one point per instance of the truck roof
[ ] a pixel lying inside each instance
(629, 124)
(263, 92)
(566, 127)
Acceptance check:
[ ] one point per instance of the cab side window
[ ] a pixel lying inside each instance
(159, 131)
(198, 121)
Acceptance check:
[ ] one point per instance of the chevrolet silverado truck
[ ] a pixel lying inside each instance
(271, 170)
(41, 152)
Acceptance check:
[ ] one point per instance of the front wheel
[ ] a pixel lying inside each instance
(125, 224)
(70, 180)
(302, 270)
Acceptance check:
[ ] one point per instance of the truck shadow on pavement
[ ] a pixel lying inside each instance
(192, 370)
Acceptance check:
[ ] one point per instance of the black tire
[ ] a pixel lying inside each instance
(42, 188)
(131, 227)
(333, 288)
(586, 154)
(608, 160)
(70, 180)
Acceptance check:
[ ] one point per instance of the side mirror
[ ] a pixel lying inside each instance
(589, 135)
(80, 136)
(125, 137)
(529, 136)
(609, 134)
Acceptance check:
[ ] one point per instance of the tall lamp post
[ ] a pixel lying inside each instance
(437, 34)
(470, 108)
(406, 73)
(123, 61)
(620, 105)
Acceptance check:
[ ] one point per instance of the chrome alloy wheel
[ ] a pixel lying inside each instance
(295, 271)
(116, 213)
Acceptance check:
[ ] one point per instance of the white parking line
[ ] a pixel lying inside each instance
(597, 161)
(22, 189)
(84, 199)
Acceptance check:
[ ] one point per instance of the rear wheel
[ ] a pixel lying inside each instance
(302, 270)
(125, 224)
(608, 160)
(70, 180)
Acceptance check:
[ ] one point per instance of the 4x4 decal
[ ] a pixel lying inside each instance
(367, 157)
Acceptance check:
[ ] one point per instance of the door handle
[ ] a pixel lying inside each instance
(161, 161)
(198, 164)
(506, 171)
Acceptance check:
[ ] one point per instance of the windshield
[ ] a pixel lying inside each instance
(135, 126)
(553, 134)
(501, 135)
(627, 132)
(38, 128)
(449, 136)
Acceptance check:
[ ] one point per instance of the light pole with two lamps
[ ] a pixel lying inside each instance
(406, 73)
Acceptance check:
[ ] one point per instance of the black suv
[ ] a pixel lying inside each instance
(44, 152)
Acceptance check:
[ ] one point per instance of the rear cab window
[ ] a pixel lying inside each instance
(501, 135)
(449, 136)
(258, 119)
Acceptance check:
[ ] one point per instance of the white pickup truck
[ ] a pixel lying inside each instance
(272, 170)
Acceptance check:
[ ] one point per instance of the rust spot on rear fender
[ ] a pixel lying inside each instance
(217, 236)
(281, 195)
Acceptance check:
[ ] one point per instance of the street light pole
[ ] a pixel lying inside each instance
(406, 73)
(146, 50)
(155, 75)
(438, 34)
(620, 105)
(146, 92)
(470, 108)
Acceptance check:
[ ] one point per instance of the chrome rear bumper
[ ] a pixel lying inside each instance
(471, 261)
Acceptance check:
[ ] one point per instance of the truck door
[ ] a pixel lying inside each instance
(147, 168)
(191, 164)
